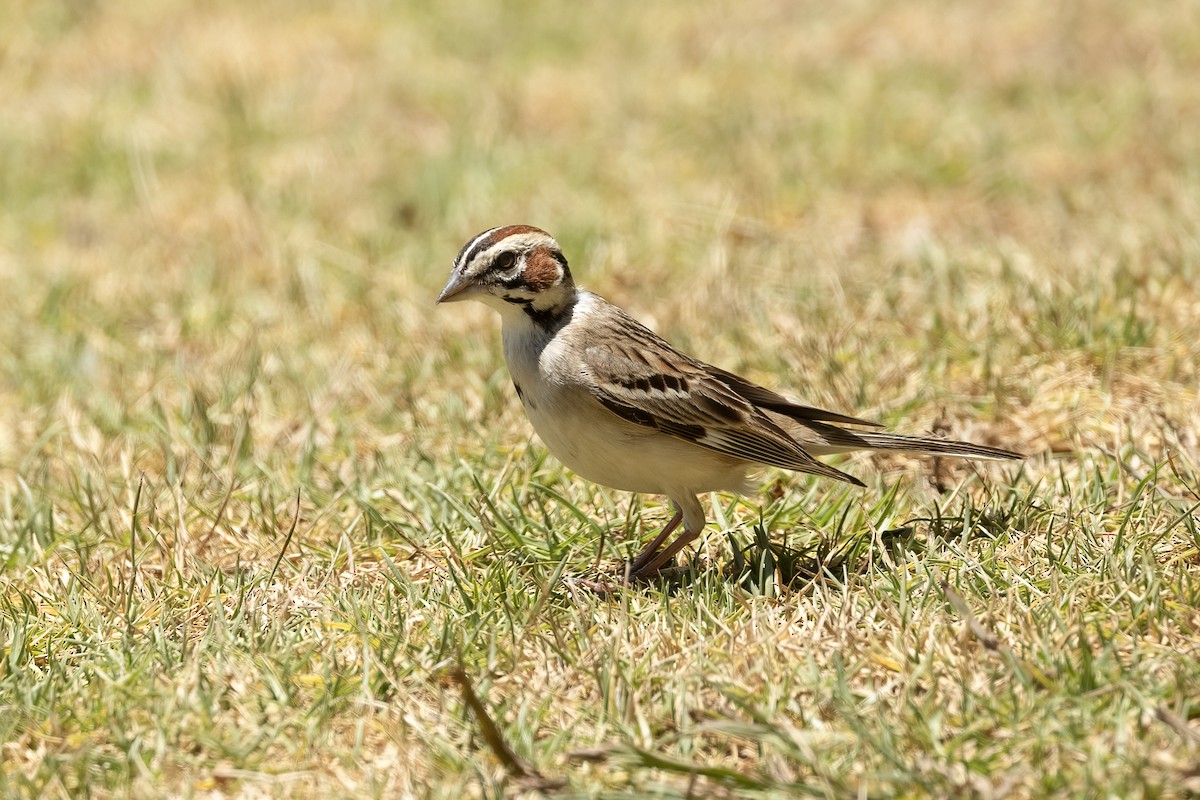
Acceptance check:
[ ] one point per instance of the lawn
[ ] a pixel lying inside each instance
(273, 524)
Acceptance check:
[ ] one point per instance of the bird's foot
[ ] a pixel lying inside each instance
(602, 588)
(622, 576)
(669, 573)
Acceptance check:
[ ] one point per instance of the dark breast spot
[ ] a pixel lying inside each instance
(546, 319)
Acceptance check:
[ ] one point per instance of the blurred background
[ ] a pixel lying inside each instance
(829, 193)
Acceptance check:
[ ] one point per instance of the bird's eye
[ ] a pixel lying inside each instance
(504, 261)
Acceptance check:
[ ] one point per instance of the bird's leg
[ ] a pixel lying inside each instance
(656, 563)
(638, 565)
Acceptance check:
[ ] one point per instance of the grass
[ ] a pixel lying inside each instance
(270, 524)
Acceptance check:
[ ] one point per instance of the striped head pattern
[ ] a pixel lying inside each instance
(513, 266)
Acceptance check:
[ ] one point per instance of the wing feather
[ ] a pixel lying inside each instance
(644, 380)
(773, 401)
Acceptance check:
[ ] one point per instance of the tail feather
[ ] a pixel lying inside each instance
(934, 447)
(821, 439)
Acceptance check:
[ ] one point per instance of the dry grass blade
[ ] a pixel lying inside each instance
(989, 639)
(1177, 724)
(286, 540)
(508, 758)
(131, 581)
(642, 758)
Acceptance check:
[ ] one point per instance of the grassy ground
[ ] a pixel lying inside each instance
(259, 499)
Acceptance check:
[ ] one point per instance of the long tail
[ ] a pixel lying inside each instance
(934, 447)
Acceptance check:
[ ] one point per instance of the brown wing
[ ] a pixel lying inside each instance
(641, 378)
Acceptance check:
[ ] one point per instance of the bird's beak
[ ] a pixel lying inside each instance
(456, 289)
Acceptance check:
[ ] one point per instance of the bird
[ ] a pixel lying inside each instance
(621, 407)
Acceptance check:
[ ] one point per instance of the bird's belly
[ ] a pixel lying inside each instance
(603, 448)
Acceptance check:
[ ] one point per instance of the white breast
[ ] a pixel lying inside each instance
(590, 439)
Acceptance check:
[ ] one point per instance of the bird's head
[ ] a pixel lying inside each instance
(511, 267)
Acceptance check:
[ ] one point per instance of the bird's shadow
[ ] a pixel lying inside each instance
(764, 567)
(767, 567)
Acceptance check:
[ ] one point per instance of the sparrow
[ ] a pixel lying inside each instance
(621, 407)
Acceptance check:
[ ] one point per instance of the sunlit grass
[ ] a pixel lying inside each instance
(259, 499)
